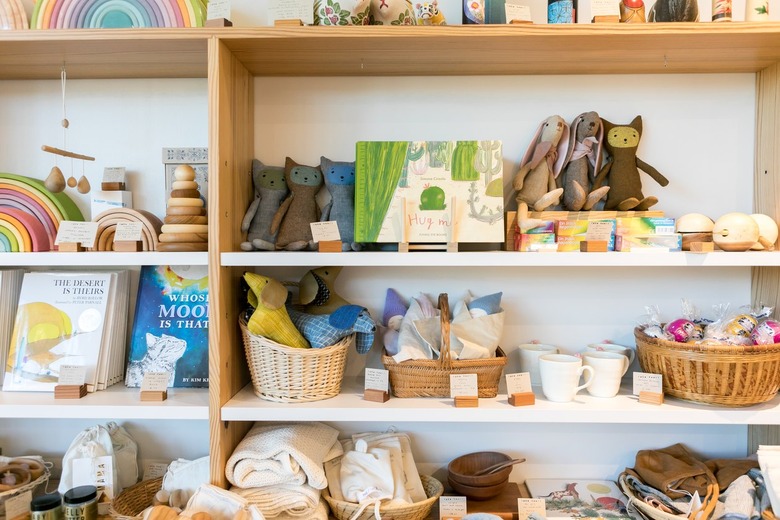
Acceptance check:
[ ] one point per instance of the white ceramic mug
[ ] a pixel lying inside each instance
(612, 347)
(560, 374)
(608, 369)
(529, 359)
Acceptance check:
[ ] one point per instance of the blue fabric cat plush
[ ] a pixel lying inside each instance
(340, 181)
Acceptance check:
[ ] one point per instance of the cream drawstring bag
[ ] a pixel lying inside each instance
(366, 477)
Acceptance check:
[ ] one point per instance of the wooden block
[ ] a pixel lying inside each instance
(518, 22)
(702, 247)
(593, 246)
(70, 391)
(185, 219)
(185, 194)
(150, 395)
(612, 18)
(184, 237)
(509, 232)
(378, 396)
(185, 210)
(522, 399)
(329, 246)
(127, 246)
(113, 186)
(184, 185)
(187, 202)
(293, 21)
(466, 401)
(187, 247)
(185, 228)
(70, 247)
(651, 398)
(219, 22)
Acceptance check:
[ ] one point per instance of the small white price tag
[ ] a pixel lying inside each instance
(517, 12)
(599, 230)
(154, 470)
(18, 507)
(128, 231)
(529, 506)
(452, 508)
(97, 471)
(114, 174)
(72, 375)
(377, 379)
(463, 385)
(322, 231)
(218, 9)
(291, 10)
(604, 8)
(83, 233)
(518, 383)
(644, 382)
(155, 381)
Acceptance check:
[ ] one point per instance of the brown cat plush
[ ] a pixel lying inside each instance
(622, 170)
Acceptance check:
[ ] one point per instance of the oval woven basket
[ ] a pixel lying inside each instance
(724, 375)
(294, 375)
(30, 486)
(132, 501)
(646, 510)
(417, 511)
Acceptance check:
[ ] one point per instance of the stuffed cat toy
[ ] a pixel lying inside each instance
(535, 182)
(162, 354)
(340, 182)
(392, 12)
(299, 209)
(622, 169)
(270, 190)
(583, 163)
(428, 13)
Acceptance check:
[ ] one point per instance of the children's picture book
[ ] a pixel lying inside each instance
(170, 328)
(578, 498)
(429, 191)
(60, 320)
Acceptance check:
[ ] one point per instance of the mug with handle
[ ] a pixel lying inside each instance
(612, 347)
(608, 370)
(529, 359)
(560, 374)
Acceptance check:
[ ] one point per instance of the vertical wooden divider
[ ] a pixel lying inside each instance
(765, 282)
(231, 148)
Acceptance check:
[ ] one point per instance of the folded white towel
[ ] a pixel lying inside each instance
(272, 455)
(321, 512)
(297, 501)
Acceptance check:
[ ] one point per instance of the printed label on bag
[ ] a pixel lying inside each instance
(97, 471)
(519, 383)
(452, 508)
(530, 507)
(463, 385)
(18, 507)
(377, 379)
(644, 382)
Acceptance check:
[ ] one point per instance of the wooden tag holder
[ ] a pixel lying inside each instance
(377, 396)
(329, 246)
(152, 395)
(127, 246)
(466, 401)
(651, 398)
(218, 22)
(522, 399)
(70, 391)
(702, 247)
(612, 18)
(593, 246)
(296, 22)
(450, 246)
(70, 247)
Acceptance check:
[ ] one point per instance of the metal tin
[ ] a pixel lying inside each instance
(80, 503)
(46, 507)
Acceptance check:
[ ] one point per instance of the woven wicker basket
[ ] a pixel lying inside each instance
(133, 500)
(431, 377)
(30, 486)
(294, 375)
(646, 510)
(418, 511)
(725, 375)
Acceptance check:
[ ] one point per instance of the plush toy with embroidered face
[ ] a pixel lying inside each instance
(316, 291)
(270, 190)
(340, 181)
(392, 12)
(621, 171)
(583, 163)
(299, 209)
(535, 182)
(270, 318)
(428, 13)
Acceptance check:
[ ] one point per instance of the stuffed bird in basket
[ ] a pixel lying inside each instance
(324, 330)
(270, 318)
(316, 293)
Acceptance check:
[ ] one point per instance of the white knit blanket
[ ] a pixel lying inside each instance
(290, 500)
(276, 454)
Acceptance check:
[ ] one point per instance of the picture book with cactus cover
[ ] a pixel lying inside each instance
(60, 320)
(171, 326)
(429, 191)
(579, 498)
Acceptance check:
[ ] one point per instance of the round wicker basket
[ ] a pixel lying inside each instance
(132, 501)
(294, 375)
(418, 511)
(30, 486)
(724, 375)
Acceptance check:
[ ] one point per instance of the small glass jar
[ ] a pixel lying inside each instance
(46, 507)
(80, 503)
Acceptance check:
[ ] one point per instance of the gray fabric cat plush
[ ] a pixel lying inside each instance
(162, 353)
(270, 191)
(340, 181)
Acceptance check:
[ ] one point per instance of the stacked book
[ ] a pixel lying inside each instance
(10, 283)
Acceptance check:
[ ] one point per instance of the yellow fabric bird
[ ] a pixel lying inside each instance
(270, 318)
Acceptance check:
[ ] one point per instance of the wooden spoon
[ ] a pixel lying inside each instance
(496, 467)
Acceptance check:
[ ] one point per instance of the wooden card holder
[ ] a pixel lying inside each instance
(518, 22)
(522, 399)
(593, 246)
(127, 246)
(377, 396)
(292, 21)
(113, 186)
(218, 22)
(702, 247)
(612, 18)
(329, 246)
(70, 391)
(451, 246)
(466, 401)
(70, 247)
(651, 398)
(152, 395)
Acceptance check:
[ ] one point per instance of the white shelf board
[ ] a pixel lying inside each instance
(117, 402)
(622, 409)
(101, 258)
(505, 259)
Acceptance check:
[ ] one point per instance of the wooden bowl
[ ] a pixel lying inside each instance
(479, 492)
(462, 469)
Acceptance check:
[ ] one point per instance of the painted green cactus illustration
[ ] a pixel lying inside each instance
(463, 161)
(440, 154)
(432, 199)
(488, 160)
(484, 214)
